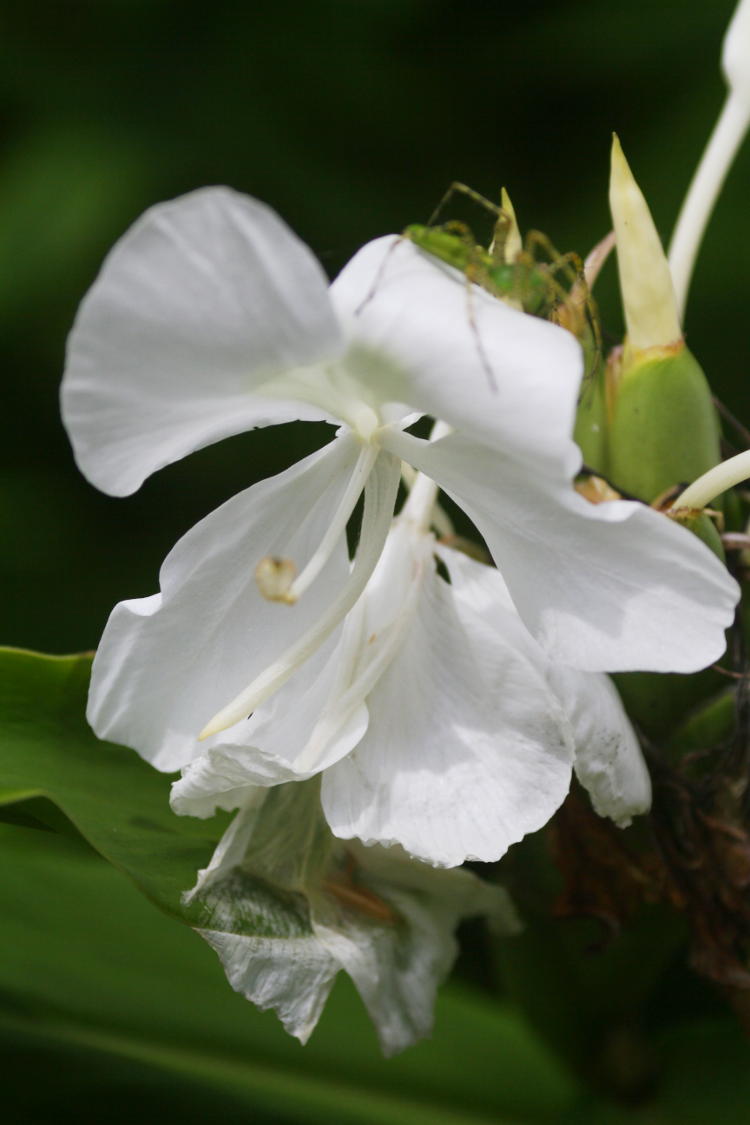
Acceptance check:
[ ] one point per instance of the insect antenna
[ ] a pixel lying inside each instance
(457, 188)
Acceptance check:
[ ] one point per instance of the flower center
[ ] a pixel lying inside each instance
(333, 389)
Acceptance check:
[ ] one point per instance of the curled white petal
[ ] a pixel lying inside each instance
(202, 301)
(608, 760)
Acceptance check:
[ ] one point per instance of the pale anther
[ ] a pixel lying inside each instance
(274, 577)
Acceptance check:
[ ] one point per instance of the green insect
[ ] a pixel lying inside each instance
(531, 276)
(453, 243)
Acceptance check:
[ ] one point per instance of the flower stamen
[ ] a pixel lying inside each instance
(382, 650)
(337, 527)
(380, 498)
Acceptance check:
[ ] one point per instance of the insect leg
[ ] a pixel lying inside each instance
(457, 188)
(471, 313)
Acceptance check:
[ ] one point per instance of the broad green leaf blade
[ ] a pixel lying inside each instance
(120, 806)
(117, 802)
(86, 962)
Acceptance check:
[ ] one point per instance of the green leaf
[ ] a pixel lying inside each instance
(117, 802)
(120, 979)
(86, 963)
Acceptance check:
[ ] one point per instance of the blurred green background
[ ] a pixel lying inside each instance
(350, 117)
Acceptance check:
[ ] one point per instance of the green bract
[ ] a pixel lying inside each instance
(663, 430)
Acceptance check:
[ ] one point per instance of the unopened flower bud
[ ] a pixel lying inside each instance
(648, 297)
(512, 242)
(663, 428)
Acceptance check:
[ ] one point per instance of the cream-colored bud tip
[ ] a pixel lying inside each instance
(648, 296)
(513, 240)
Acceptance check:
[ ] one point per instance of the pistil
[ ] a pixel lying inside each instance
(701, 492)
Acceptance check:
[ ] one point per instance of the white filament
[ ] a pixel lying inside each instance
(337, 527)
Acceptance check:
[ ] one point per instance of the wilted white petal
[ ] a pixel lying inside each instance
(286, 911)
(204, 299)
(232, 847)
(256, 914)
(456, 891)
(397, 965)
(167, 663)
(291, 975)
(608, 759)
(466, 749)
(605, 587)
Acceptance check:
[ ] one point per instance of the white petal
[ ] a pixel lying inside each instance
(459, 354)
(466, 750)
(270, 747)
(604, 587)
(204, 298)
(293, 976)
(167, 663)
(232, 847)
(222, 778)
(608, 759)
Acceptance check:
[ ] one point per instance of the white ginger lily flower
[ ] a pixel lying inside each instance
(319, 905)
(436, 719)
(210, 318)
